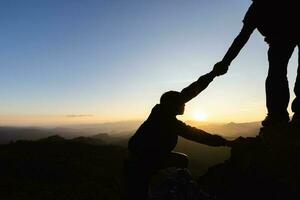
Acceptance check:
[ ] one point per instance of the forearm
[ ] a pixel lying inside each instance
(238, 43)
(197, 87)
(203, 137)
(209, 139)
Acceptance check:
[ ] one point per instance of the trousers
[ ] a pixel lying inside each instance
(138, 171)
(277, 88)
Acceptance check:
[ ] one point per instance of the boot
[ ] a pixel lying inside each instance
(275, 120)
(296, 119)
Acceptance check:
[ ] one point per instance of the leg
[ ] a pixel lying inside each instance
(176, 159)
(296, 102)
(136, 179)
(277, 89)
(138, 172)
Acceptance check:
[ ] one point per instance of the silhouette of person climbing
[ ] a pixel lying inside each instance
(278, 22)
(150, 148)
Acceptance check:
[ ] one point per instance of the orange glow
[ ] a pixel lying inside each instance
(200, 116)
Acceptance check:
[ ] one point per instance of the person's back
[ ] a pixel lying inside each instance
(157, 135)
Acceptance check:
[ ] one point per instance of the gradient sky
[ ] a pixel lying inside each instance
(67, 61)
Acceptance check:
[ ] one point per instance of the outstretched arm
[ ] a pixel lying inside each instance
(198, 86)
(238, 44)
(200, 136)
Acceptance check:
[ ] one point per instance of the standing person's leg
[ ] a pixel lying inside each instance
(277, 89)
(296, 102)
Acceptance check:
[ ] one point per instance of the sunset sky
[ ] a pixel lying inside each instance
(89, 61)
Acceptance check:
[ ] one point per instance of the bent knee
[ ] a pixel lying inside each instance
(182, 160)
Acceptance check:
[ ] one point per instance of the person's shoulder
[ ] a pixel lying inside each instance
(181, 124)
(158, 115)
(251, 14)
(156, 108)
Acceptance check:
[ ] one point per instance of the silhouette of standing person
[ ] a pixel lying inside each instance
(150, 148)
(278, 22)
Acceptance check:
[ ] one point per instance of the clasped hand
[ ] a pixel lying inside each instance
(220, 68)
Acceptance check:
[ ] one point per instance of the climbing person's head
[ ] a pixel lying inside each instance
(172, 102)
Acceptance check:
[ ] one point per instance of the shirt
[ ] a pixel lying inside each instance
(274, 19)
(158, 135)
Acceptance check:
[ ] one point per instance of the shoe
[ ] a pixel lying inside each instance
(275, 120)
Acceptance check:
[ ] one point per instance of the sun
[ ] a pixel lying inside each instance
(200, 116)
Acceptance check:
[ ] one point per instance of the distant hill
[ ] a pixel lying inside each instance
(53, 139)
(117, 130)
(88, 140)
(229, 130)
(110, 127)
(56, 139)
(10, 134)
(116, 139)
(101, 136)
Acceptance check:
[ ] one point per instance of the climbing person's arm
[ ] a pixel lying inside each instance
(200, 136)
(198, 86)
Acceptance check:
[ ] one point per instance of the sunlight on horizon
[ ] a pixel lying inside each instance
(200, 116)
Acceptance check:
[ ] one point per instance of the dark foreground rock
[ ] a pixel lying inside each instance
(178, 185)
(58, 169)
(264, 167)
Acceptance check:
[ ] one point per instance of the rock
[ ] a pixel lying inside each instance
(264, 167)
(178, 186)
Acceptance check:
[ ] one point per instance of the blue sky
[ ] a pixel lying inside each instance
(111, 60)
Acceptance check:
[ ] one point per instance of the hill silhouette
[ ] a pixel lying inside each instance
(52, 139)
(10, 134)
(229, 130)
(262, 167)
(116, 131)
(58, 168)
